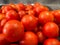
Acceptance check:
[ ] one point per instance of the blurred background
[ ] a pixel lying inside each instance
(30, 1)
(54, 4)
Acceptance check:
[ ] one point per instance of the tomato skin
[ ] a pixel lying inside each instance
(28, 7)
(3, 41)
(41, 37)
(40, 8)
(6, 8)
(29, 39)
(2, 16)
(45, 17)
(3, 21)
(51, 42)
(13, 30)
(12, 15)
(20, 6)
(56, 14)
(31, 12)
(21, 14)
(1, 28)
(30, 22)
(51, 30)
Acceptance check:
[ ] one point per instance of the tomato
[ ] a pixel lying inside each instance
(20, 6)
(6, 8)
(31, 12)
(3, 21)
(13, 5)
(3, 41)
(56, 14)
(21, 13)
(29, 22)
(12, 15)
(1, 28)
(45, 17)
(13, 30)
(40, 8)
(2, 16)
(51, 30)
(41, 37)
(29, 7)
(51, 42)
(29, 39)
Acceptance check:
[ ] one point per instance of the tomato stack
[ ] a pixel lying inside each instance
(29, 24)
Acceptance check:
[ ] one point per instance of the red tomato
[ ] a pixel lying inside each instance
(0, 28)
(12, 15)
(3, 41)
(30, 22)
(41, 37)
(56, 14)
(29, 39)
(21, 13)
(29, 7)
(31, 12)
(0, 11)
(51, 42)
(2, 16)
(51, 30)
(20, 6)
(39, 9)
(3, 21)
(13, 30)
(6, 8)
(45, 17)
(13, 5)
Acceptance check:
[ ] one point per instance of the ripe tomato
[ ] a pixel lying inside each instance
(3, 41)
(30, 22)
(45, 17)
(1, 28)
(12, 15)
(40, 8)
(3, 21)
(29, 39)
(2, 16)
(6, 8)
(51, 30)
(21, 13)
(31, 12)
(29, 7)
(51, 42)
(41, 37)
(20, 6)
(56, 14)
(13, 30)
(13, 5)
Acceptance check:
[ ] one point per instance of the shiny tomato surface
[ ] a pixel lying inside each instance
(13, 30)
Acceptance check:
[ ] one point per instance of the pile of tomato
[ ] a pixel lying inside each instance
(29, 24)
